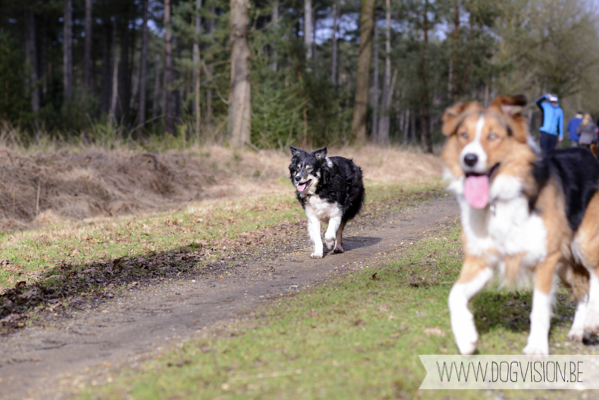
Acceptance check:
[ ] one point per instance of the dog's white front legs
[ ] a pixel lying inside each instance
(540, 318)
(591, 324)
(314, 232)
(462, 320)
(331, 233)
(576, 333)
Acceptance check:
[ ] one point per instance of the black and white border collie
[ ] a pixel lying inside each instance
(330, 189)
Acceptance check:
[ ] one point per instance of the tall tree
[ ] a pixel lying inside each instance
(31, 58)
(334, 43)
(374, 100)
(196, 65)
(141, 113)
(363, 78)
(308, 26)
(168, 69)
(239, 100)
(275, 22)
(383, 133)
(87, 52)
(68, 50)
(426, 139)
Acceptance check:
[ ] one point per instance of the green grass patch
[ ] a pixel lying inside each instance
(357, 337)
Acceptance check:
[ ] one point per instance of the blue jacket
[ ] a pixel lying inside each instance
(572, 126)
(553, 118)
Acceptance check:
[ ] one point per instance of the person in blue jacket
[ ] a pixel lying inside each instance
(571, 128)
(552, 129)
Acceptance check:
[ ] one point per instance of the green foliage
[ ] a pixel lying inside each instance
(13, 100)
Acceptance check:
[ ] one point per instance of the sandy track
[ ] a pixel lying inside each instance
(41, 361)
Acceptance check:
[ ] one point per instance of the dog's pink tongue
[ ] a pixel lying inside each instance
(301, 187)
(476, 191)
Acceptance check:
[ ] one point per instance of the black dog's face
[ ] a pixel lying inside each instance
(305, 169)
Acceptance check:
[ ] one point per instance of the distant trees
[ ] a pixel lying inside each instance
(273, 72)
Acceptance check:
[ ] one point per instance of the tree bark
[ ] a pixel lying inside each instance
(157, 95)
(211, 27)
(308, 28)
(107, 54)
(334, 43)
(275, 21)
(375, 88)
(31, 58)
(383, 133)
(141, 112)
(426, 140)
(456, 45)
(196, 66)
(67, 58)
(124, 84)
(168, 70)
(115, 78)
(87, 53)
(239, 100)
(363, 78)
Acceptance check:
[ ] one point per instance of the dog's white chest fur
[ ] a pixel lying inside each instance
(322, 209)
(505, 226)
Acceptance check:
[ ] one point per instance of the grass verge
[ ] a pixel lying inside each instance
(357, 337)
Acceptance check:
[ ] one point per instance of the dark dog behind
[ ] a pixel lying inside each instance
(330, 189)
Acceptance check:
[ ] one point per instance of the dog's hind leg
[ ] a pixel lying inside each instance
(331, 233)
(339, 240)
(475, 273)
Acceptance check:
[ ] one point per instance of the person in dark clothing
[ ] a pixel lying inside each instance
(587, 130)
(572, 126)
(552, 129)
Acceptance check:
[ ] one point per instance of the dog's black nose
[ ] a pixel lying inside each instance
(470, 159)
(298, 178)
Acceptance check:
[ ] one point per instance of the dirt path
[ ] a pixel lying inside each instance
(36, 361)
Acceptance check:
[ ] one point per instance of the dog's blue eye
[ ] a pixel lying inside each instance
(464, 135)
(492, 136)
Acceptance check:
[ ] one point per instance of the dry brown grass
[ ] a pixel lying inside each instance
(53, 186)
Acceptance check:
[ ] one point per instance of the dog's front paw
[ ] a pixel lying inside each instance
(576, 335)
(316, 255)
(329, 242)
(467, 341)
(591, 324)
(536, 349)
(338, 249)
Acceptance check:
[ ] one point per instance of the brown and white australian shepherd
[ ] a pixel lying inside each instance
(523, 215)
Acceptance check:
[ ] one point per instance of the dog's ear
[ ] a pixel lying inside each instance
(451, 117)
(295, 151)
(511, 107)
(320, 154)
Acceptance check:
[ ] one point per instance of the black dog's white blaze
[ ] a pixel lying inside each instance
(330, 190)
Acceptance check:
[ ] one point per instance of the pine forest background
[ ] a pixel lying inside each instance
(270, 73)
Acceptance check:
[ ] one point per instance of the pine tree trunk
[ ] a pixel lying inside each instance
(168, 70)
(383, 133)
(107, 52)
(308, 28)
(141, 112)
(211, 27)
(426, 140)
(115, 78)
(156, 110)
(87, 53)
(456, 45)
(124, 84)
(363, 78)
(31, 58)
(275, 21)
(239, 100)
(68, 51)
(178, 94)
(375, 88)
(334, 43)
(196, 66)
